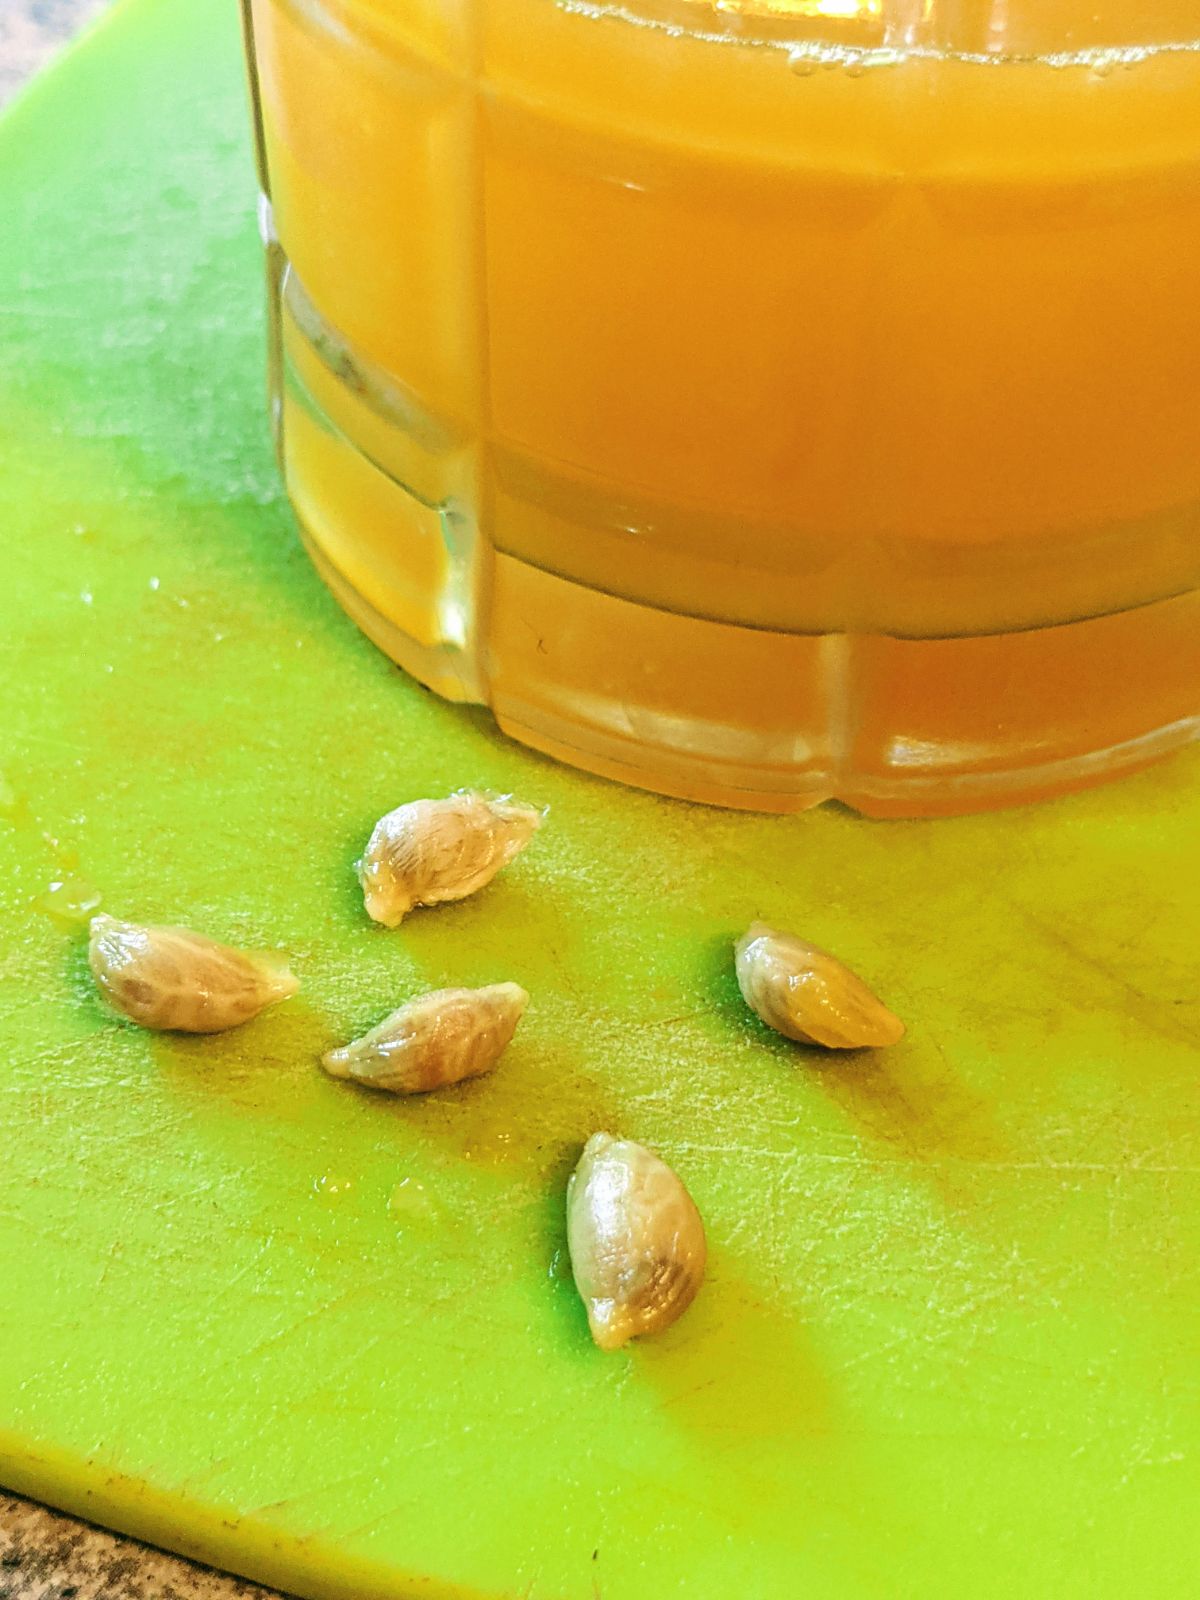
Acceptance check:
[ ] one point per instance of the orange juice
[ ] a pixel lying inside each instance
(761, 403)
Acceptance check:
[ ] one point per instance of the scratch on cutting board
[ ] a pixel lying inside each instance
(657, 1488)
(687, 1394)
(862, 1158)
(684, 1016)
(326, 1487)
(1146, 1458)
(1109, 1169)
(1146, 1008)
(970, 1307)
(42, 313)
(251, 1268)
(336, 1531)
(291, 1329)
(124, 1138)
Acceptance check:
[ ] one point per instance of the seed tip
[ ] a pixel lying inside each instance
(387, 910)
(335, 1063)
(608, 1332)
(285, 981)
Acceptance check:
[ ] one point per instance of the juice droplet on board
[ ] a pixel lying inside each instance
(66, 855)
(69, 901)
(330, 1185)
(13, 806)
(410, 1201)
(489, 1144)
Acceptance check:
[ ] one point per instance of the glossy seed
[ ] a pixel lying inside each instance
(431, 851)
(437, 1039)
(809, 995)
(636, 1240)
(175, 980)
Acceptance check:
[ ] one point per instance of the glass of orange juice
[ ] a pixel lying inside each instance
(760, 401)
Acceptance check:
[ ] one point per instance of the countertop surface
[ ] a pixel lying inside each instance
(44, 1555)
(32, 30)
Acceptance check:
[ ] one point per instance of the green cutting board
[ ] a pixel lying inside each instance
(949, 1343)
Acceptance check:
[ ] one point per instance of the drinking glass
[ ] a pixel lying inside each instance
(759, 401)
